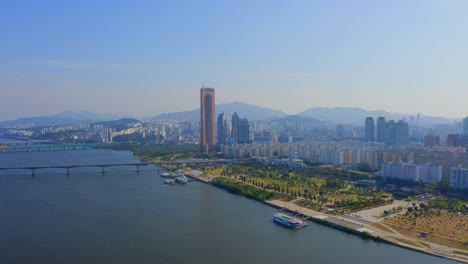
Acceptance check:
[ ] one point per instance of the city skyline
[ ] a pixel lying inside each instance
(388, 56)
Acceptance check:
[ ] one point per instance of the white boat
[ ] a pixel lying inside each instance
(181, 179)
(288, 220)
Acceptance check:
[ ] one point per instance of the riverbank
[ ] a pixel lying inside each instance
(358, 227)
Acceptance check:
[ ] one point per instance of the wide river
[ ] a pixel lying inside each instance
(125, 217)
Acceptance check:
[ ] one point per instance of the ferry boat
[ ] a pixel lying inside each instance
(181, 179)
(290, 221)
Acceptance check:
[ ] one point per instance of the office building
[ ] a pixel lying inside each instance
(370, 129)
(207, 119)
(243, 134)
(222, 129)
(235, 126)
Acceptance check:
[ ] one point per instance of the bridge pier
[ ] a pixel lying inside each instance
(33, 172)
(103, 170)
(68, 171)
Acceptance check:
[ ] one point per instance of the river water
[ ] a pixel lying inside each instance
(125, 217)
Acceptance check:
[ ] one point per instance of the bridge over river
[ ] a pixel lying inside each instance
(103, 166)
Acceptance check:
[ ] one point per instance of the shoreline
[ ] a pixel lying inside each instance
(343, 225)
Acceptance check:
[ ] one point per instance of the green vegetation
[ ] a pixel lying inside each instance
(317, 188)
(364, 167)
(450, 204)
(240, 188)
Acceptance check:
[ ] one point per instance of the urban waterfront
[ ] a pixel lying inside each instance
(125, 217)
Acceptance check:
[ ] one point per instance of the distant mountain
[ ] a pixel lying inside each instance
(120, 122)
(64, 118)
(25, 122)
(357, 116)
(307, 122)
(86, 115)
(251, 112)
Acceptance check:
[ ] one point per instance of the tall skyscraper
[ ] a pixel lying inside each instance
(235, 126)
(390, 132)
(381, 129)
(243, 135)
(465, 126)
(222, 129)
(401, 133)
(370, 129)
(207, 119)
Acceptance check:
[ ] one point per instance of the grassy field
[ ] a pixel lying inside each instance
(444, 229)
(446, 224)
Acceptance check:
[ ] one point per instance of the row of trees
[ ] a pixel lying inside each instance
(240, 188)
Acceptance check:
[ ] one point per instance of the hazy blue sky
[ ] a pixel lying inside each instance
(146, 57)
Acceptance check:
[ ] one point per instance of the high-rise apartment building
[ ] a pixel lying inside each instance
(431, 140)
(401, 133)
(340, 131)
(370, 130)
(410, 171)
(390, 133)
(381, 129)
(207, 119)
(458, 178)
(396, 133)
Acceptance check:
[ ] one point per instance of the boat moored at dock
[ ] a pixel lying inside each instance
(289, 220)
(181, 179)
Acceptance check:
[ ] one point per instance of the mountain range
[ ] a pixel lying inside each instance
(59, 119)
(357, 116)
(316, 116)
(252, 112)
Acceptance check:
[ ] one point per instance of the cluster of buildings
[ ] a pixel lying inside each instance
(222, 133)
(389, 132)
(345, 152)
(238, 132)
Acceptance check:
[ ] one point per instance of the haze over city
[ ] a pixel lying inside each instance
(150, 57)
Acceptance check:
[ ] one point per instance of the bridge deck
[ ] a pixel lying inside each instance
(118, 164)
